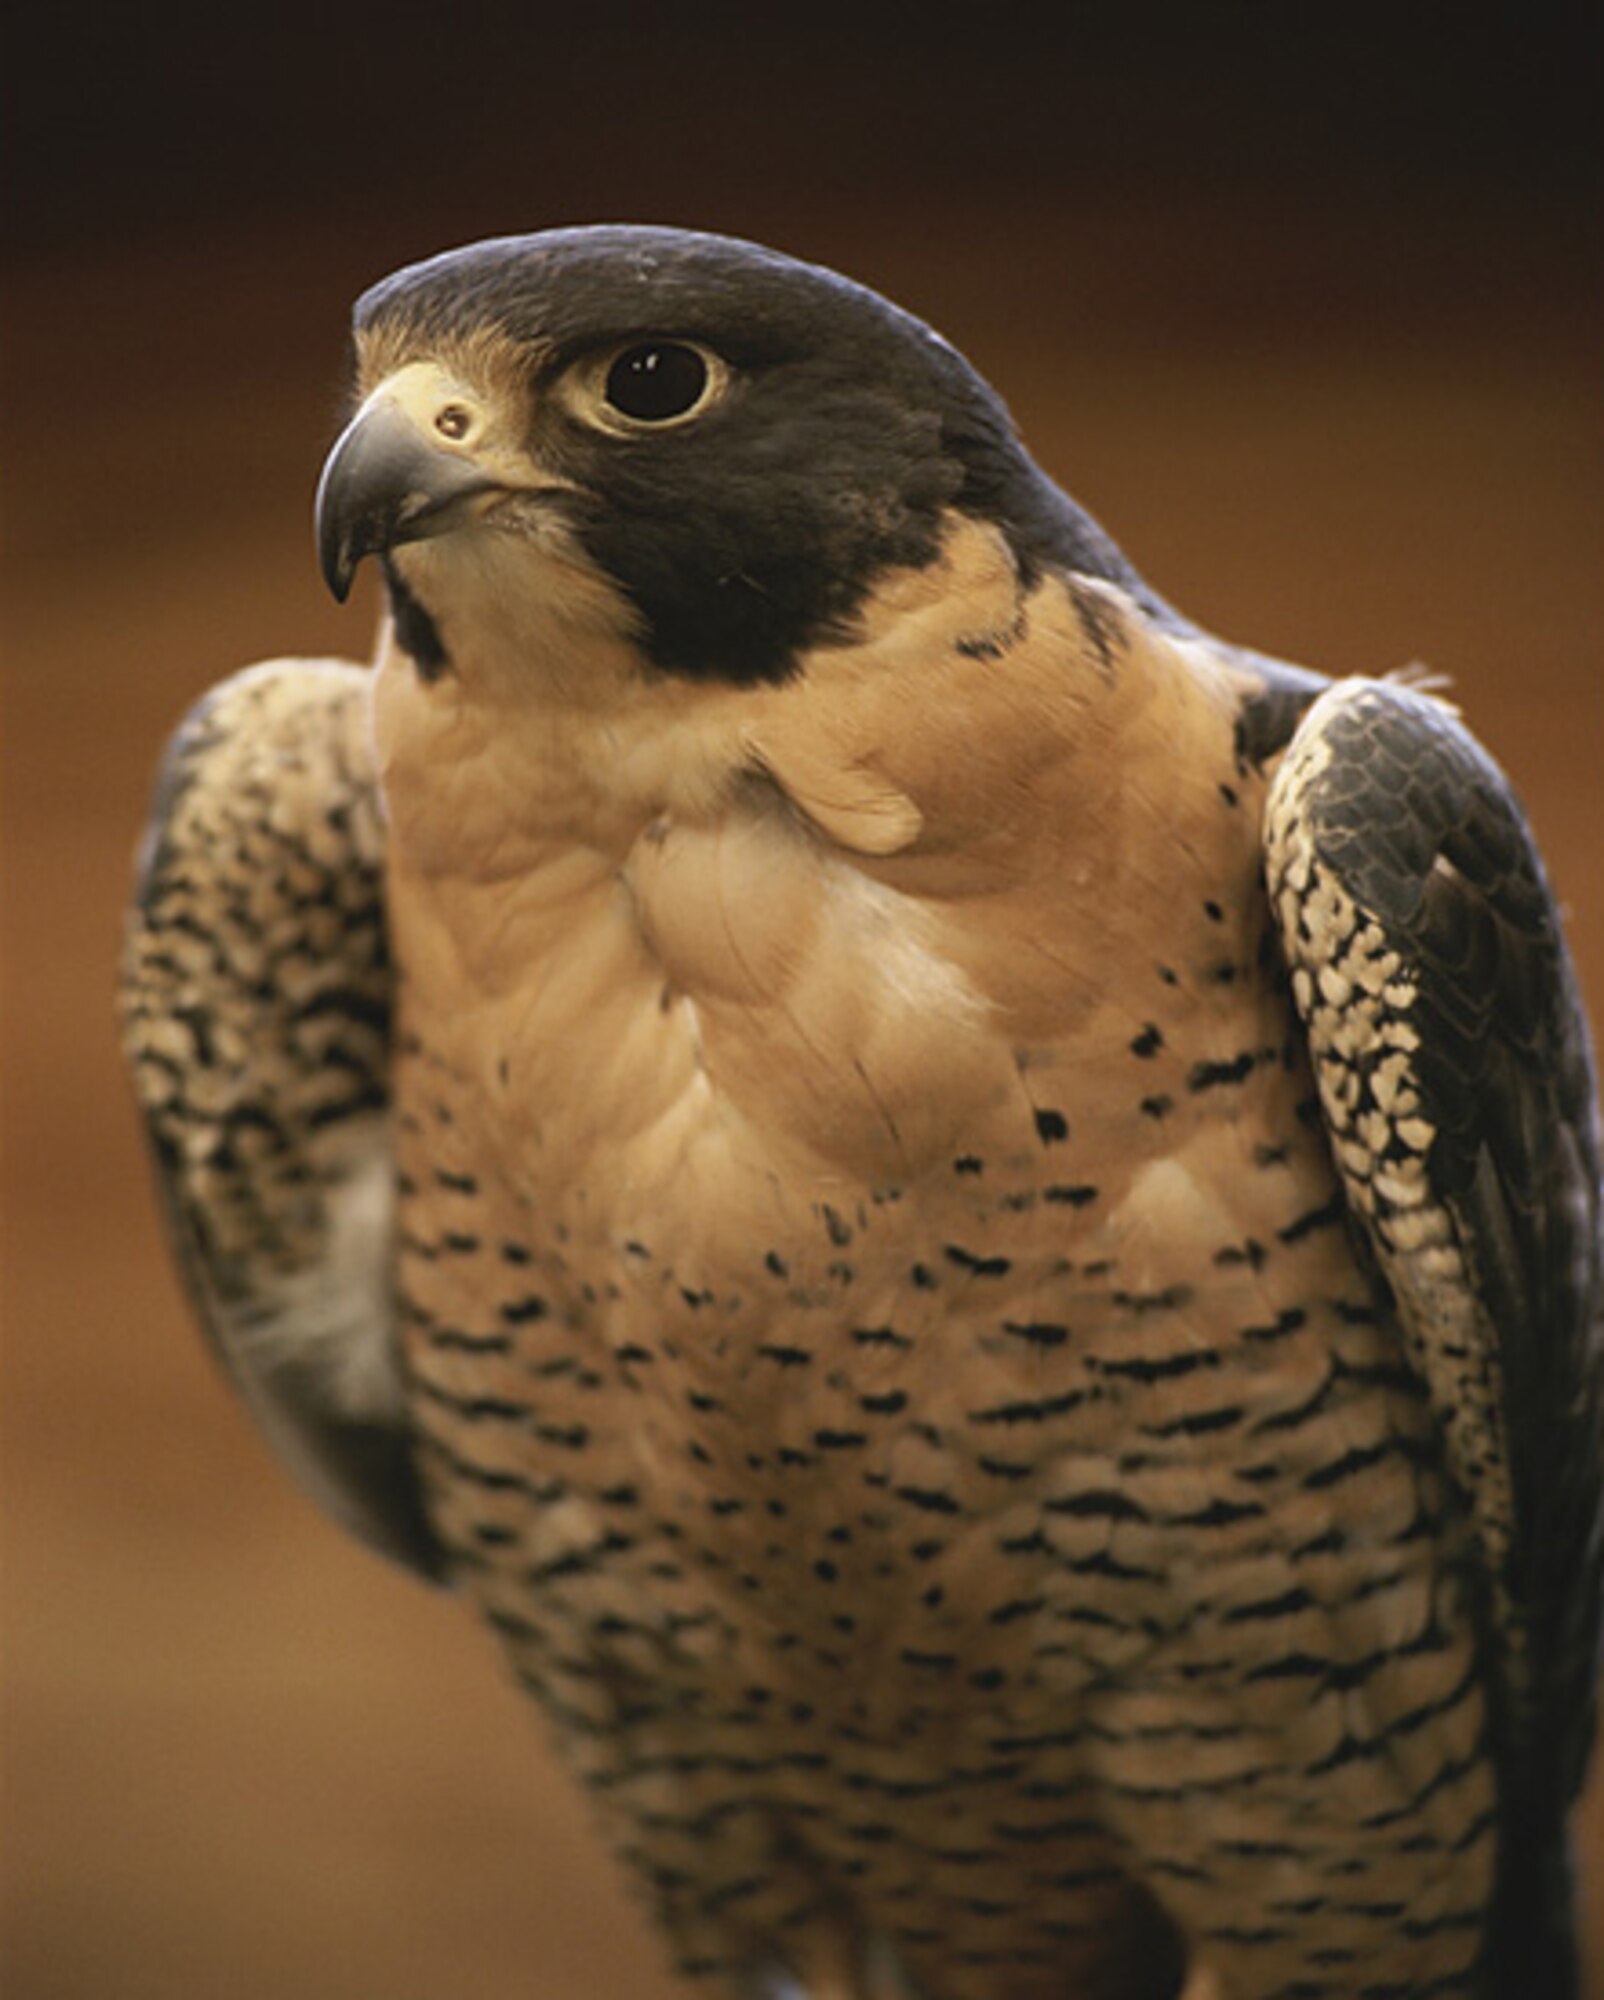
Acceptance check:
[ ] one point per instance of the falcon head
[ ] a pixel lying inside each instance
(715, 449)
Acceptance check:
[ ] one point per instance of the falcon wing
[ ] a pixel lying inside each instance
(256, 1006)
(1452, 1060)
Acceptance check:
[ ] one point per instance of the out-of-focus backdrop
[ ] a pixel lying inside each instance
(1303, 302)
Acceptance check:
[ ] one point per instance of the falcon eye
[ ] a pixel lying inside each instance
(657, 381)
(646, 385)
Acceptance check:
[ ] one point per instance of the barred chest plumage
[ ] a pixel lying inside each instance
(890, 1312)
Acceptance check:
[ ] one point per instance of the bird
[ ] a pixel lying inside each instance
(967, 1215)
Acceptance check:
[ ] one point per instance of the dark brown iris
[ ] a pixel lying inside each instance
(656, 381)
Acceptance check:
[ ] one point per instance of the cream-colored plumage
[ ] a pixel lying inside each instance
(821, 879)
(774, 1122)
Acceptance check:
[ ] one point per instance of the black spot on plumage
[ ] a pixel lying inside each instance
(1353, 1314)
(1327, 1216)
(524, 1311)
(1015, 1609)
(836, 1226)
(1355, 1460)
(1159, 1367)
(1097, 1504)
(570, 1437)
(1198, 1423)
(1038, 1333)
(1210, 1075)
(888, 1404)
(1164, 1300)
(1287, 1321)
(784, 1356)
(973, 1261)
(458, 1340)
(1033, 1412)
(474, 1409)
(1006, 1468)
(880, 1336)
(832, 1440)
(1070, 1195)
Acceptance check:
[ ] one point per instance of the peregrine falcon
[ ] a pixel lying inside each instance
(967, 1215)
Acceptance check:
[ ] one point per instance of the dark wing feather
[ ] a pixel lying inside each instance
(256, 1005)
(1456, 1077)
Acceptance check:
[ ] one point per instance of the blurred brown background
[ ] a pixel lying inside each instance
(1309, 314)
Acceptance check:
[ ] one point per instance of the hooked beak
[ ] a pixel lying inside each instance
(399, 472)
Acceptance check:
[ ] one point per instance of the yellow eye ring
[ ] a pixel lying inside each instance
(646, 385)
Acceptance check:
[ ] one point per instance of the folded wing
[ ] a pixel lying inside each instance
(256, 1021)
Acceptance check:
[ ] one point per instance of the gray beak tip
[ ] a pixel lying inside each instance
(385, 483)
(333, 522)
